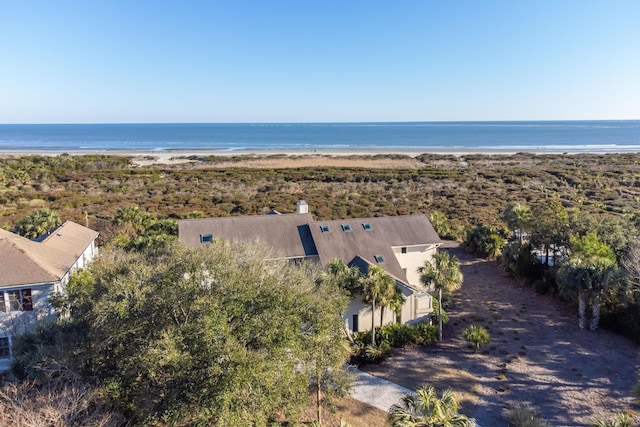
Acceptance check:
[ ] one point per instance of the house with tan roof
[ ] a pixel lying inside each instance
(399, 244)
(33, 270)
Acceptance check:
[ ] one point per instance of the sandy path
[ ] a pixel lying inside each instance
(537, 355)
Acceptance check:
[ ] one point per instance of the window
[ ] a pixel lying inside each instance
(325, 229)
(354, 323)
(379, 259)
(206, 238)
(346, 228)
(403, 250)
(27, 302)
(19, 300)
(404, 271)
(367, 226)
(3, 306)
(5, 348)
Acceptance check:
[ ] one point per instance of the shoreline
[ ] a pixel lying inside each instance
(456, 151)
(294, 158)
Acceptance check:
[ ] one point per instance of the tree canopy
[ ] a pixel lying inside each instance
(37, 223)
(587, 273)
(216, 336)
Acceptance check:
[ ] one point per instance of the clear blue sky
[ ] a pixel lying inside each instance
(92, 61)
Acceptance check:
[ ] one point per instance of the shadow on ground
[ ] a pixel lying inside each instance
(537, 355)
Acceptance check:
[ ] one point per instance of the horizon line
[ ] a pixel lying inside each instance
(319, 122)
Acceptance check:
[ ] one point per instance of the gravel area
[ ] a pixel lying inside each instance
(537, 355)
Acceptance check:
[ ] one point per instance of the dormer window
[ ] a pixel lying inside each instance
(367, 226)
(325, 229)
(206, 238)
(379, 259)
(346, 228)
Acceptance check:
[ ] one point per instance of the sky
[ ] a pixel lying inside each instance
(143, 61)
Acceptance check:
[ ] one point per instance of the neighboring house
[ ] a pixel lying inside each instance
(399, 244)
(33, 270)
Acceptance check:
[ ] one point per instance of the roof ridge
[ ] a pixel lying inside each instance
(236, 217)
(371, 218)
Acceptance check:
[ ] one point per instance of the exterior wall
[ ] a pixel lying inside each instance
(358, 307)
(87, 256)
(417, 307)
(13, 323)
(17, 322)
(422, 307)
(413, 259)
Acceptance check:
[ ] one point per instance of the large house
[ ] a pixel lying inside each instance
(33, 270)
(399, 244)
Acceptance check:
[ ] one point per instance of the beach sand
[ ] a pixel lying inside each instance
(369, 158)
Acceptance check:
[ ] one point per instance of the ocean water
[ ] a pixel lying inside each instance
(523, 136)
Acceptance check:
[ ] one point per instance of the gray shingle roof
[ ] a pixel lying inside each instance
(383, 234)
(297, 235)
(288, 234)
(29, 262)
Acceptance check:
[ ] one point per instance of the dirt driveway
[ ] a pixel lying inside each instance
(537, 355)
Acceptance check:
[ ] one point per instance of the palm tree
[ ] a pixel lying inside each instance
(390, 296)
(397, 301)
(37, 223)
(347, 278)
(587, 274)
(375, 284)
(443, 273)
(425, 409)
(518, 217)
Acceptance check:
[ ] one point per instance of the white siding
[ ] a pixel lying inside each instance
(17, 322)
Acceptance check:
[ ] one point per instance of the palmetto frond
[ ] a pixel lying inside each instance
(424, 409)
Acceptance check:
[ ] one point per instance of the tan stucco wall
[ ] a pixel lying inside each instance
(414, 259)
(357, 306)
(417, 307)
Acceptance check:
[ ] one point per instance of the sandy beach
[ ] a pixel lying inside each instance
(371, 158)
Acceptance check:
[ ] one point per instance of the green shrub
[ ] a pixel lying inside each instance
(392, 336)
(518, 259)
(620, 420)
(484, 241)
(362, 338)
(376, 354)
(424, 333)
(399, 335)
(476, 336)
(396, 334)
(446, 299)
(522, 416)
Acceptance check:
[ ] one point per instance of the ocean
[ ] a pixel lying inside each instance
(514, 136)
